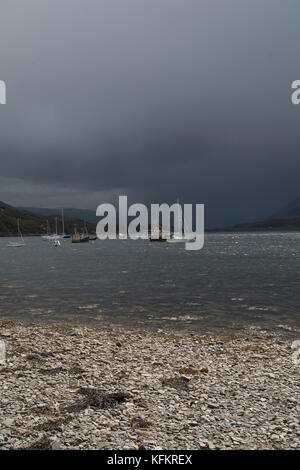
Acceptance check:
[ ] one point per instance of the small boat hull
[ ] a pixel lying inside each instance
(180, 240)
(16, 245)
(80, 240)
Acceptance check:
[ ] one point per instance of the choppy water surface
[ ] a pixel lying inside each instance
(139, 283)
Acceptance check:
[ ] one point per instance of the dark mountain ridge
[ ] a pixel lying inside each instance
(34, 220)
(286, 218)
(290, 210)
(82, 214)
(32, 224)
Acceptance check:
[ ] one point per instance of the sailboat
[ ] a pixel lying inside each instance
(176, 238)
(80, 238)
(158, 236)
(64, 235)
(179, 237)
(46, 237)
(21, 240)
(55, 235)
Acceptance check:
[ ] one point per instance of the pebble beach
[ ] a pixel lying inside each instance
(76, 387)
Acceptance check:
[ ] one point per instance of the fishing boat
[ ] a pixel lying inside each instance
(80, 238)
(20, 237)
(159, 237)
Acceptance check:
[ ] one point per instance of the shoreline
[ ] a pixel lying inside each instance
(74, 387)
(179, 325)
(207, 231)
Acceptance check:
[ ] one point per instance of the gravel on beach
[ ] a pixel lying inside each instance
(74, 387)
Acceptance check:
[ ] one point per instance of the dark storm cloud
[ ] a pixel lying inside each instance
(155, 99)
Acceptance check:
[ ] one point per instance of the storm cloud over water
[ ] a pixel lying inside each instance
(155, 99)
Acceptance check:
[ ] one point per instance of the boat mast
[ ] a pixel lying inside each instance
(63, 221)
(85, 229)
(19, 230)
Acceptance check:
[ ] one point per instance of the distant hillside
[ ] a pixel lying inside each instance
(3, 204)
(32, 224)
(290, 210)
(82, 214)
(280, 223)
(287, 218)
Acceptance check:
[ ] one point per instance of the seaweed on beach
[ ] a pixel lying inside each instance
(188, 371)
(33, 357)
(39, 355)
(51, 371)
(76, 370)
(47, 354)
(41, 444)
(99, 399)
(53, 425)
(96, 399)
(179, 383)
(140, 423)
(42, 410)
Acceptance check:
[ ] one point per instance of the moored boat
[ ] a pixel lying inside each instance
(178, 239)
(159, 235)
(21, 240)
(64, 235)
(160, 239)
(80, 238)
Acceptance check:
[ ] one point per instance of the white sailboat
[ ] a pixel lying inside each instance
(64, 235)
(179, 237)
(21, 240)
(55, 235)
(63, 223)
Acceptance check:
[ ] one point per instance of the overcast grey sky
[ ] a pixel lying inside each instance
(151, 98)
